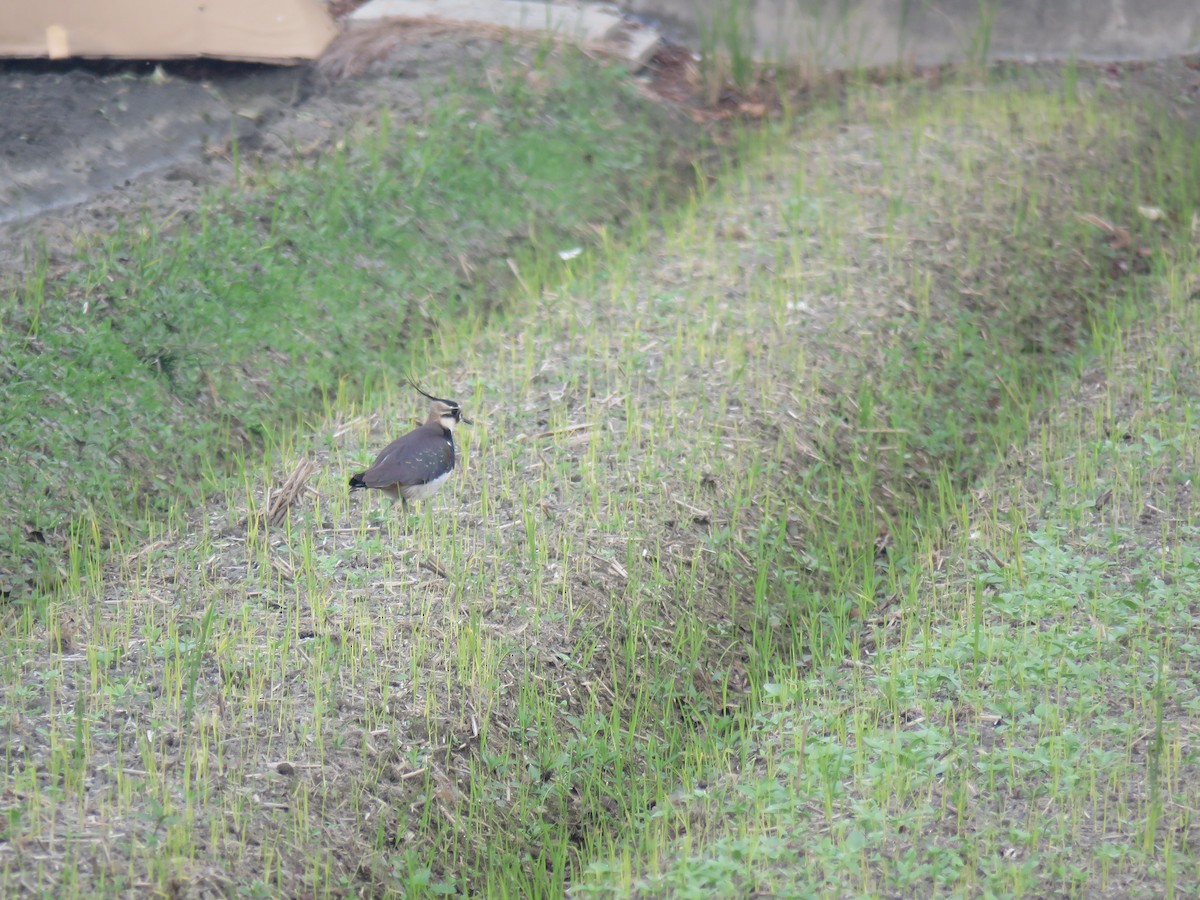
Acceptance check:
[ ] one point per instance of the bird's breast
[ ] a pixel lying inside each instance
(424, 491)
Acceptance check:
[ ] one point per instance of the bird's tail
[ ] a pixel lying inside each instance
(356, 482)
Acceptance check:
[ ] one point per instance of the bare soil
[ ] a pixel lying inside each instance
(87, 146)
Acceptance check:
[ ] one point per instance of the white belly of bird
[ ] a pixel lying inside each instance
(424, 491)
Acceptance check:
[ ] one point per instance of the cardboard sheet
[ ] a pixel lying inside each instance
(252, 30)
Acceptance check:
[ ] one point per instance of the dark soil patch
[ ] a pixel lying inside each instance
(88, 146)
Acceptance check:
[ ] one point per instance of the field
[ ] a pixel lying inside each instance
(823, 531)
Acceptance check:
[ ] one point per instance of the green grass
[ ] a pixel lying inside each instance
(1013, 716)
(1020, 722)
(732, 587)
(138, 378)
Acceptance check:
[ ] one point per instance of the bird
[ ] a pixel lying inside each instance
(415, 465)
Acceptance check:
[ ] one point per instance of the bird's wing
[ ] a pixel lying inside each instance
(401, 463)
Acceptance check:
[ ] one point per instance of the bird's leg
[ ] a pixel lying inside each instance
(407, 512)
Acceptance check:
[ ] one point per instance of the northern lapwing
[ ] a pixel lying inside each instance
(414, 466)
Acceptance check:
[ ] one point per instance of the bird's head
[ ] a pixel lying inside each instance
(446, 413)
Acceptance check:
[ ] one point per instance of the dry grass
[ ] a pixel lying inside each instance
(280, 501)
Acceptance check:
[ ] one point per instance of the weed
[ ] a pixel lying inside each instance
(772, 563)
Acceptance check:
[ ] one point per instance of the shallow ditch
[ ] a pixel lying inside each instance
(920, 394)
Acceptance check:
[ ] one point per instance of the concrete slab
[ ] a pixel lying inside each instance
(632, 41)
(589, 24)
(834, 34)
